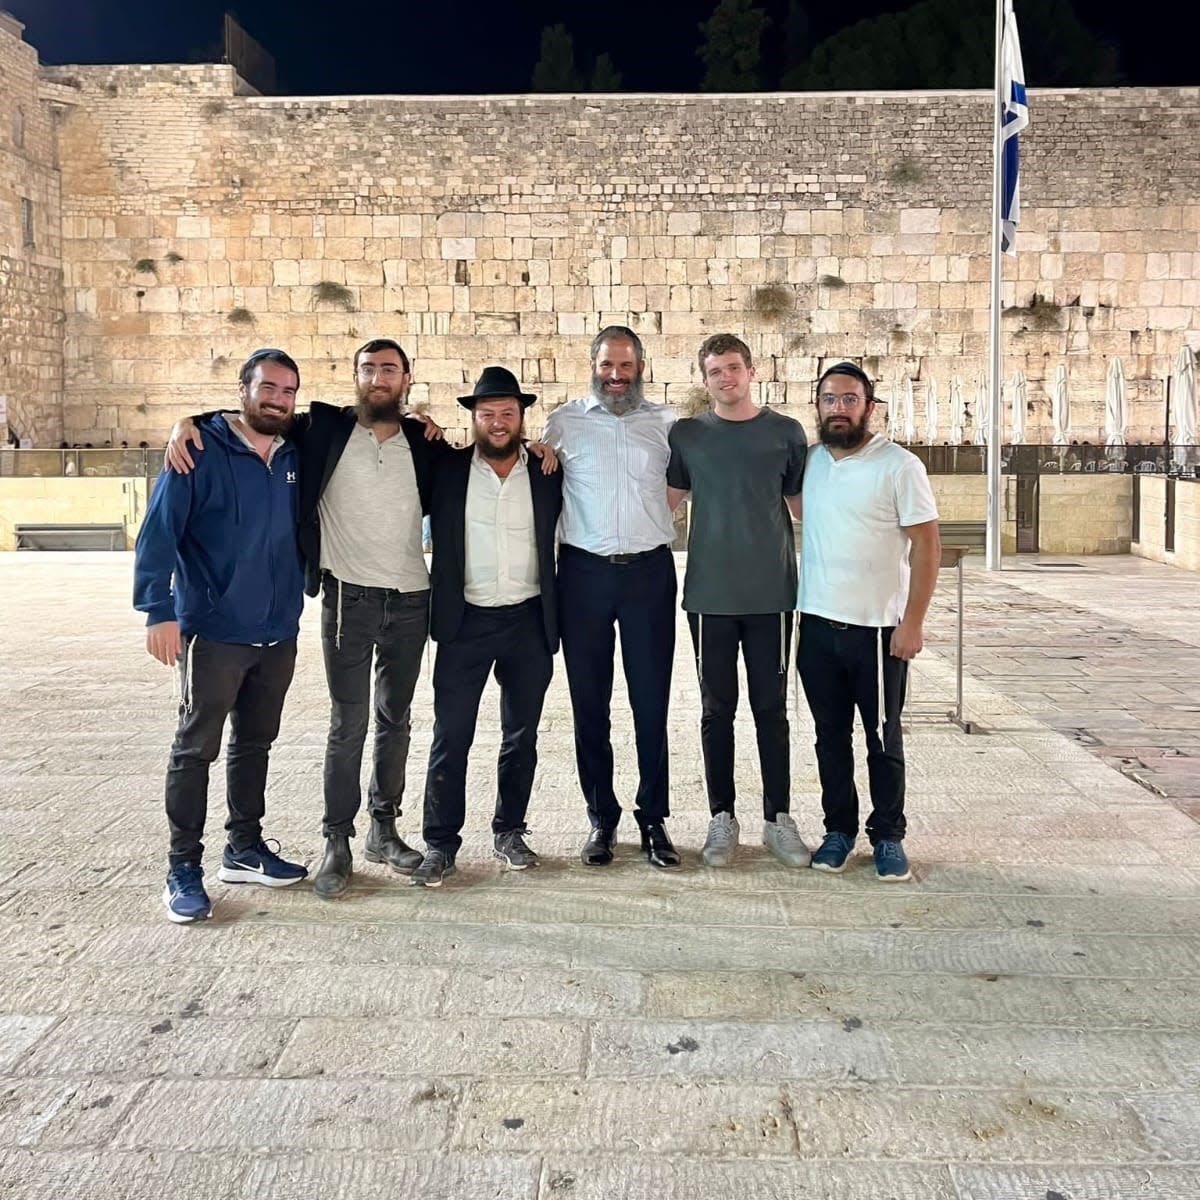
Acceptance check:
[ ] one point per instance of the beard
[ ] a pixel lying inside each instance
(380, 409)
(848, 438)
(618, 405)
(272, 424)
(506, 449)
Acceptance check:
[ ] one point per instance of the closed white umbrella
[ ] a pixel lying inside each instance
(1060, 407)
(1185, 397)
(931, 412)
(957, 413)
(982, 412)
(910, 413)
(1114, 405)
(893, 416)
(1020, 399)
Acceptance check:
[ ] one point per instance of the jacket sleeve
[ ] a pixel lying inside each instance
(157, 545)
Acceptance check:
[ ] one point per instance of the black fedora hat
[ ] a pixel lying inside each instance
(494, 383)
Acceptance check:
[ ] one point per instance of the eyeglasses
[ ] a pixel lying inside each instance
(845, 400)
(387, 371)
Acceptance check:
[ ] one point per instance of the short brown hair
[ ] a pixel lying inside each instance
(722, 343)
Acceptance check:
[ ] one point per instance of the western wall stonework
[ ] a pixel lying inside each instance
(199, 222)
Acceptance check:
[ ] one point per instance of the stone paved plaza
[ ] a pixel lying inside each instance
(1019, 1023)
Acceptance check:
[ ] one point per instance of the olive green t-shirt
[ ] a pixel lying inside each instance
(741, 550)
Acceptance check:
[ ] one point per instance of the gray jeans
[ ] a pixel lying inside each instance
(387, 629)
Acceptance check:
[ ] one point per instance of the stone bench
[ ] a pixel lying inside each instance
(71, 537)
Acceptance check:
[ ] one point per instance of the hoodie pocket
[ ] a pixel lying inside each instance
(244, 606)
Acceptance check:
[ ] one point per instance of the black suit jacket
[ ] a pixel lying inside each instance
(447, 516)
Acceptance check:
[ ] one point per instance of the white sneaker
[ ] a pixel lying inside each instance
(722, 840)
(783, 840)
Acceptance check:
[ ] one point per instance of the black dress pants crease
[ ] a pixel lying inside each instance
(596, 599)
(509, 641)
(839, 669)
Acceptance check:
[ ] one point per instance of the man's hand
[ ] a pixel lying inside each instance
(178, 457)
(546, 453)
(164, 643)
(908, 640)
(433, 431)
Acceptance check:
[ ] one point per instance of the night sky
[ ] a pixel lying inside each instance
(463, 46)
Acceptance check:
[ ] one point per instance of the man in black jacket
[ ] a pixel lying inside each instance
(364, 482)
(494, 609)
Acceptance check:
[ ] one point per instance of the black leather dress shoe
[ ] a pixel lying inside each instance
(598, 849)
(658, 848)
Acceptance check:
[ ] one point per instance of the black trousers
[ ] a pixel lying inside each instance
(839, 668)
(765, 640)
(511, 642)
(247, 684)
(638, 598)
(386, 628)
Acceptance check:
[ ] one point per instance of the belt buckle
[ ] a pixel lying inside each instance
(838, 624)
(621, 560)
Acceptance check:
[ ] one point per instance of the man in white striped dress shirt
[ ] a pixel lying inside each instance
(616, 572)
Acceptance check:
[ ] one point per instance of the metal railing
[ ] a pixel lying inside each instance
(120, 463)
(1176, 461)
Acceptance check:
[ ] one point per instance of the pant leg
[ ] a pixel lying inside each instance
(211, 675)
(885, 756)
(348, 652)
(766, 647)
(586, 617)
(253, 728)
(397, 666)
(460, 671)
(715, 642)
(524, 668)
(646, 620)
(828, 688)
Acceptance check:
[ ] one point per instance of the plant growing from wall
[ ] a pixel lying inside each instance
(328, 292)
(906, 172)
(1042, 314)
(240, 316)
(772, 301)
(145, 266)
(696, 401)
(172, 257)
(833, 282)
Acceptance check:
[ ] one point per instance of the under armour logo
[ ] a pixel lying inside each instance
(291, 477)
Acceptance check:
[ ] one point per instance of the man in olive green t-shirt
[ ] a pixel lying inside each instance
(742, 466)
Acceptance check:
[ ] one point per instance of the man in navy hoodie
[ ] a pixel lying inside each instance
(219, 576)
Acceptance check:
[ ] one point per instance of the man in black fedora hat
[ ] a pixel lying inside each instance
(493, 609)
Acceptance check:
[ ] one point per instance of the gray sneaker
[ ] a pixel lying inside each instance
(782, 838)
(722, 840)
(512, 850)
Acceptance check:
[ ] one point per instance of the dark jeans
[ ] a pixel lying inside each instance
(765, 640)
(247, 684)
(511, 641)
(388, 628)
(839, 668)
(639, 599)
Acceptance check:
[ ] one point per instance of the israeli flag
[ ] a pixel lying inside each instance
(1014, 116)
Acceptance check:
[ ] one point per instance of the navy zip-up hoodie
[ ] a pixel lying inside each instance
(217, 551)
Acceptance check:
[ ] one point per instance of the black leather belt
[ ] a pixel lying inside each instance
(618, 559)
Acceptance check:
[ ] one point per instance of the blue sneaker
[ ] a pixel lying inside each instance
(891, 863)
(185, 898)
(832, 854)
(259, 864)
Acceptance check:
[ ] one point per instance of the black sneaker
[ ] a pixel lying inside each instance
(435, 866)
(512, 850)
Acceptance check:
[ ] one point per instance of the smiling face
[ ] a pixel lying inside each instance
(381, 384)
(617, 375)
(269, 399)
(498, 424)
(727, 377)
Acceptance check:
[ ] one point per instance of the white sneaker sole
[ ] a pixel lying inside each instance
(829, 870)
(238, 875)
(894, 878)
(722, 858)
(509, 865)
(178, 918)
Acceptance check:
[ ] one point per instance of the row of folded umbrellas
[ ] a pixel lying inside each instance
(902, 412)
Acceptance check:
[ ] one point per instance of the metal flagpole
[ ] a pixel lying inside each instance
(995, 420)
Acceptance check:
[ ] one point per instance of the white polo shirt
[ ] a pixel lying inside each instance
(854, 551)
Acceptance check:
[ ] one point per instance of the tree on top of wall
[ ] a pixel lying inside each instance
(555, 70)
(732, 47)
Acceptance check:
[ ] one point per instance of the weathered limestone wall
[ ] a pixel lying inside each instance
(71, 502)
(31, 296)
(1152, 543)
(198, 223)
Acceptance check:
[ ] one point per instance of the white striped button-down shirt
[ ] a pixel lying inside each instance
(614, 476)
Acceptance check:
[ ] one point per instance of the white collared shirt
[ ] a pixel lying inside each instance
(614, 476)
(370, 515)
(501, 565)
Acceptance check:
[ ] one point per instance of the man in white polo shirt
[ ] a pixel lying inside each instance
(869, 563)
